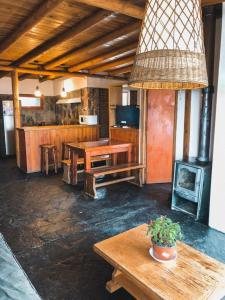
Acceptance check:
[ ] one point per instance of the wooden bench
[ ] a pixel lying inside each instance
(133, 175)
(67, 165)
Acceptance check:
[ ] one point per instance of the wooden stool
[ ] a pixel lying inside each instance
(65, 151)
(48, 154)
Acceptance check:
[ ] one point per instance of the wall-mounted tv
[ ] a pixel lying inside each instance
(127, 116)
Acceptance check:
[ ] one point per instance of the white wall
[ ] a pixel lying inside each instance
(70, 84)
(180, 125)
(194, 123)
(217, 202)
(54, 87)
(77, 83)
(26, 86)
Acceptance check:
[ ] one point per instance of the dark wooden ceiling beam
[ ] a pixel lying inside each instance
(46, 6)
(25, 76)
(122, 70)
(52, 77)
(116, 34)
(101, 58)
(39, 12)
(67, 34)
(119, 6)
(54, 73)
(39, 72)
(112, 64)
(211, 2)
(129, 9)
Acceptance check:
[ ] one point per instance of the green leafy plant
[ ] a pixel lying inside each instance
(164, 232)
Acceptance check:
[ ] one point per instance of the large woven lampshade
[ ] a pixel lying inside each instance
(171, 53)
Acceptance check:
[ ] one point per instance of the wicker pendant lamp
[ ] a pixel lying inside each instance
(171, 53)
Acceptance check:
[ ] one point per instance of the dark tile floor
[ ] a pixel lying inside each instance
(51, 228)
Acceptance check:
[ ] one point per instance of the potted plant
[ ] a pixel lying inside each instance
(164, 233)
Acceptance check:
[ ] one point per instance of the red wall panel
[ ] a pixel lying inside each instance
(160, 133)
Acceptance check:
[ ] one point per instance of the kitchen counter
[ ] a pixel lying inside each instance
(53, 127)
(32, 137)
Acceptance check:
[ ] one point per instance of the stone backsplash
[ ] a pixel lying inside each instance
(46, 115)
(31, 117)
(67, 114)
(91, 101)
(94, 101)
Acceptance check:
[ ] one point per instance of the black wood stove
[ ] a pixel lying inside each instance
(192, 177)
(191, 188)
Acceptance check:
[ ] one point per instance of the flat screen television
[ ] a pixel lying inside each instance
(127, 116)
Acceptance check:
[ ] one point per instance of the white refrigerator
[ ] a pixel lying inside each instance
(8, 129)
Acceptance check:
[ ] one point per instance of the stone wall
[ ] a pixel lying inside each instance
(104, 112)
(94, 101)
(45, 115)
(31, 117)
(67, 114)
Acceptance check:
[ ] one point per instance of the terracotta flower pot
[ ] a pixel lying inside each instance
(164, 253)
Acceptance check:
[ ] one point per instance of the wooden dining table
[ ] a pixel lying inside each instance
(96, 148)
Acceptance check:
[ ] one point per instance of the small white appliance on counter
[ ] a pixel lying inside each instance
(88, 120)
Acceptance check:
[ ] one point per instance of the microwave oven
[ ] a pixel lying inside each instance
(88, 120)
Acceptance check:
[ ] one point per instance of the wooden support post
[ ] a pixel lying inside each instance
(16, 108)
(114, 284)
(187, 124)
(143, 131)
(74, 159)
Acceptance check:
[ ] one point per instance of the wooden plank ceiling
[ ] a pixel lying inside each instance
(95, 37)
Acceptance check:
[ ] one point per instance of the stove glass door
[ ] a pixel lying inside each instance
(188, 181)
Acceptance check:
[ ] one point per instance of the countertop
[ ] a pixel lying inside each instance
(53, 127)
(125, 128)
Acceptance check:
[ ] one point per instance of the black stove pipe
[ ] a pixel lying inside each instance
(205, 124)
(209, 18)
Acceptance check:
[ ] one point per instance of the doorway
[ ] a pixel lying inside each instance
(160, 135)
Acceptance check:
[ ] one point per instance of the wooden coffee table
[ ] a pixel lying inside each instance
(193, 276)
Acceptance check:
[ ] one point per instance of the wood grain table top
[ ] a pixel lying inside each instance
(98, 144)
(193, 276)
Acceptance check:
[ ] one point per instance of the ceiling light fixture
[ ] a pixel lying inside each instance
(37, 92)
(170, 53)
(63, 92)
